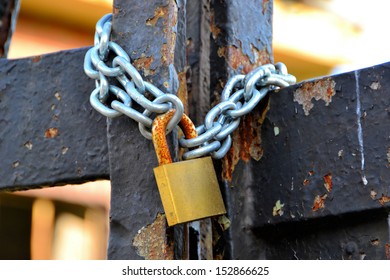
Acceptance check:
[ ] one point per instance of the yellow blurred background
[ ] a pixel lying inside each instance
(313, 38)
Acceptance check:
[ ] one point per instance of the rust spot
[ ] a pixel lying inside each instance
(322, 89)
(160, 12)
(328, 182)
(144, 63)
(375, 242)
(387, 250)
(214, 29)
(237, 59)
(311, 173)
(51, 132)
(36, 58)
(306, 182)
(182, 91)
(384, 199)
(265, 3)
(246, 141)
(168, 14)
(247, 138)
(319, 202)
(153, 242)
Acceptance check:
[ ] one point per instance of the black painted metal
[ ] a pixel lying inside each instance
(237, 47)
(307, 149)
(8, 14)
(135, 200)
(50, 135)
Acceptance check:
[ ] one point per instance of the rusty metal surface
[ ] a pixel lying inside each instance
(8, 14)
(324, 173)
(329, 160)
(50, 135)
(149, 32)
(236, 46)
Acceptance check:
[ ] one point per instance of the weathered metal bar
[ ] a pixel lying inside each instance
(326, 149)
(8, 14)
(149, 32)
(50, 135)
(236, 45)
(336, 157)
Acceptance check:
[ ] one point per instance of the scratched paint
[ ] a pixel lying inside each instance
(359, 128)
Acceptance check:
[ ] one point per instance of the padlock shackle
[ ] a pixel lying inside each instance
(159, 134)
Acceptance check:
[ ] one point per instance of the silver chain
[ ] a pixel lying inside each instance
(239, 97)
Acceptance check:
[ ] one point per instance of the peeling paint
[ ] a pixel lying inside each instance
(152, 242)
(144, 63)
(278, 209)
(240, 61)
(328, 184)
(375, 86)
(384, 199)
(373, 194)
(319, 202)
(28, 145)
(57, 95)
(322, 89)
(160, 12)
(224, 222)
(246, 142)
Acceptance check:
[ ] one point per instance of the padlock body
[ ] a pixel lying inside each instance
(189, 190)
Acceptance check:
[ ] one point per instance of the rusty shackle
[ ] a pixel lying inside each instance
(159, 134)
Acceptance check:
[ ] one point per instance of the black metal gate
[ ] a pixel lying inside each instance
(307, 178)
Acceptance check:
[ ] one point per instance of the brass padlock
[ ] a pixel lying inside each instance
(189, 189)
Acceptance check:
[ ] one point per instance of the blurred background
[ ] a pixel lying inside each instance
(312, 37)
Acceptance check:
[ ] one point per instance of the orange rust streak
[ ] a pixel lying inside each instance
(159, 134)
(328, 182)
(188, 127)
(387, 250)
(319, 202)
(159, 137)
(51, 132)
(384, 199)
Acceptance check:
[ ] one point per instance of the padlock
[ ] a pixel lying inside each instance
(188, 189)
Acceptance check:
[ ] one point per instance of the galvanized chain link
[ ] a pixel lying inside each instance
(240, 96)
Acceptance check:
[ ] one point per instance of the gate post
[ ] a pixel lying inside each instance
(152, 33)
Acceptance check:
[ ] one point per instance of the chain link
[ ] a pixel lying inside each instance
(239, 97)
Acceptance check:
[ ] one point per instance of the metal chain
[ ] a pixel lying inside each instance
(239, 97)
